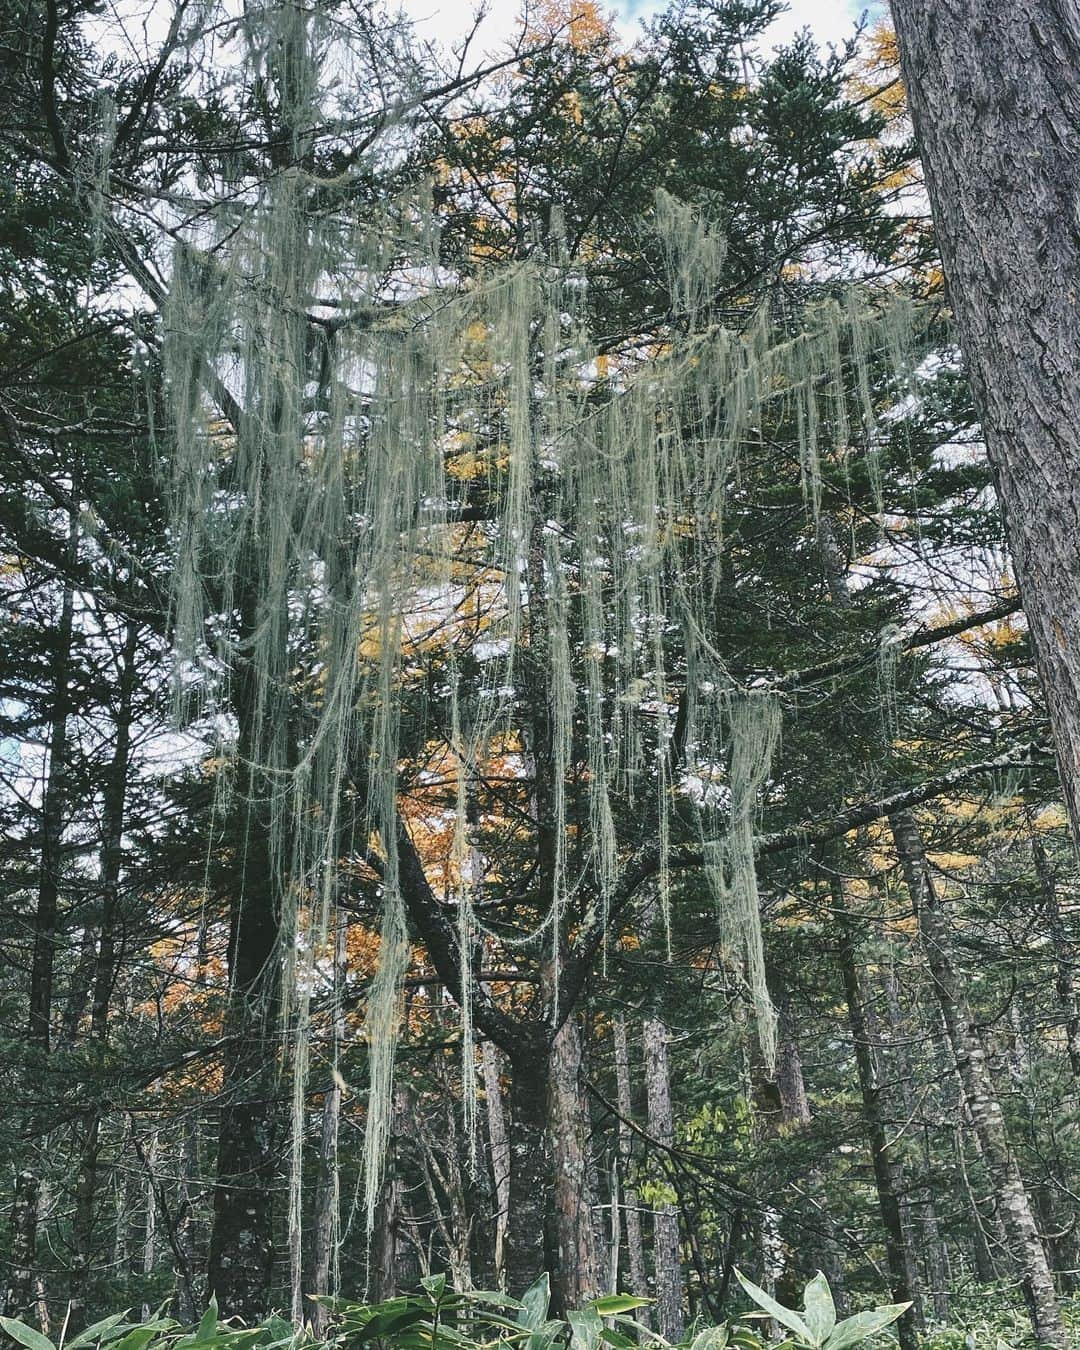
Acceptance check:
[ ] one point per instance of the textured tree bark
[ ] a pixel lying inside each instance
(1065, 981)
(576, 1273)
(526, 1238)
(994, 91)
(661, 1126)
(43, 960)
(887, 1173)
(934, 1252)
(22, 1279)
(325, 1204)
(499, 1146)
(19, 1285)
(635, 1248)
(1013, 1202)
(115, 798)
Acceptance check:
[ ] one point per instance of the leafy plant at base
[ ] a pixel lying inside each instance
(437, 1317)
(816, 1328)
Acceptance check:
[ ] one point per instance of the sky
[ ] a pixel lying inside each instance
(447, 21)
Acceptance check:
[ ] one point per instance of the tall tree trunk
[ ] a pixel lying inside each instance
(240, 1265)
(635, 1248)
(576, 1274)
(22, 1284)
(325, 1205)
(1013, 1202)
(932, 1246)
(527, 1246)
(500, 1155)
(188, 1170)
(19, 1285)
(888, 1175)
(661, 1126)
(994, 91)
(1065, 962)
(115, 798)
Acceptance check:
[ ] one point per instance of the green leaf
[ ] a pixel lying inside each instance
(820, 1310)
(140, 1337)
(785, 1316)
(863, 1325)
(435, 1285)
(609, 1305)
(534, 1304)
(28, 1336)
(494, 1297)
(618, 1340)
(98, 1332)
(208, 1324)
(585, 1329)
(712, 1338)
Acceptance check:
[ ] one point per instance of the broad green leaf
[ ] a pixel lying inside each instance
(208, 1325)
(617, 1340)
(435, 1285)
(585, 1329)
(820, 1311)
(28, 1336)
(609, 1305)
(863, 1325)
(785, 1316)
(712, 1338)
(534, 1304)
(98, 1332)
(494, 1297)
(141, 1336)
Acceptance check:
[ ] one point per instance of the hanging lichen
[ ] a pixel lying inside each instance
(341, 405)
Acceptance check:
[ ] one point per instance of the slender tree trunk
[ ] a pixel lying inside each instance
(500, 1155)
(115, 798)
(932, 1246)
(22, 1284)
(994, 92)
(185, 1219)
(635, 1248)
(661, 1126)
(325, 1206)
(888, 1175)
(150, 1228)
(1013, 1202)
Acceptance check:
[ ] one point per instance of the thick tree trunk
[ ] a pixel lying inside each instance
(1013, 1202)
(242, 1238)
(1065, 979)
(994, 91)
(661, 1126)
(530, 1173)
(19, 1285)
(635, 1248)
(888, 1176)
